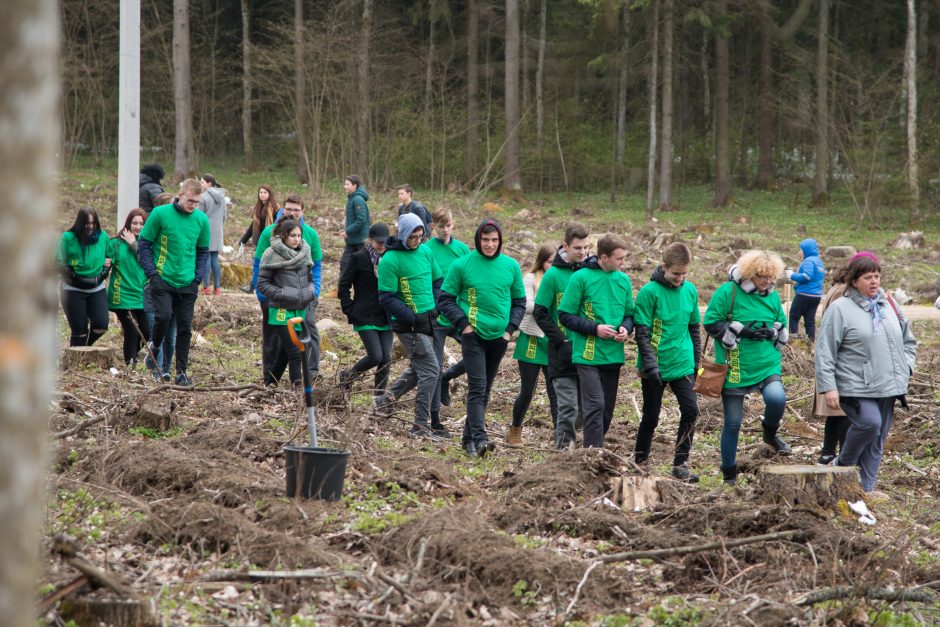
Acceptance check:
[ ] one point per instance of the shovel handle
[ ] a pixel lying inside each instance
(293, 334)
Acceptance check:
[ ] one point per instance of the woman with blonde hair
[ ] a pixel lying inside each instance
(749, 326)
(531, 349)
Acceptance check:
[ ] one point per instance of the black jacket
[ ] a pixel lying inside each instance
(359, 276)
(286, 289)
(559, 347)
(148, 192)
(644, 336)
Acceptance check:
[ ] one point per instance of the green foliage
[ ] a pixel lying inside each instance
(890, 618)
(156, 434)
(526, 596)
(382, 506)
(81, 515)
(675, 612)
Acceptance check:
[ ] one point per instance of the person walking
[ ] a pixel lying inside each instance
(173, 250)
(126, 288)
(809, 288)
(408, 279)
(357, 218)
(83, 256)
(561, 371)
(668, 340)
(745, 318)
(149, 187)
(531, 351)
(263, 215)
(407, 204)
(286, 281)
(598, 308)
(359, 299)
(865, 356)
(212, 204)
(484, 296)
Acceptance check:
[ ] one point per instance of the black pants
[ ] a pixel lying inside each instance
(348, 250)
(482, 358)
(804, 307)
(132, 340)
(378, 345)
(598, 399)
(87, 314)
(169, 302)
(529, 376)
(652, 405)
(291, 353)
(834, 434)
(274, 358)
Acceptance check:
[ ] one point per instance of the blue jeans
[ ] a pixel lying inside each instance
(215, 268)
(775, 402)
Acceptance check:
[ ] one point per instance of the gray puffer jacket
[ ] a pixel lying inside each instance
(212, 204)
(286, 288)
(858, 362)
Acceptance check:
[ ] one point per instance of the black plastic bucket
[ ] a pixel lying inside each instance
(315, 473)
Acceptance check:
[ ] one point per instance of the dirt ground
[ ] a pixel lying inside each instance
(183, 516)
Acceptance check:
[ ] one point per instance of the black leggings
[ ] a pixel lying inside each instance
(132, 340)
(294, 357)
(529, 376)
(378, 345)
(84, 310)
(804, 307)
(834, 433)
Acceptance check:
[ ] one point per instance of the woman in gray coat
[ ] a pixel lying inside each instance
(284, 277)
(213, 205)
(864, 360)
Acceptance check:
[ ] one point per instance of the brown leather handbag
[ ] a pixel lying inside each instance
(710, 378)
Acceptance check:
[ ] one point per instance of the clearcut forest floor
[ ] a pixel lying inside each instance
(424, 535)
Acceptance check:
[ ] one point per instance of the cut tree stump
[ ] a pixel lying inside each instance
(80, 357)
(157, 414)
(634, 493)
(94, 611)
(822, 486)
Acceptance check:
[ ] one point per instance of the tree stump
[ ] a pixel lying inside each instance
(157, 414)
(234, 275)
(839, 252)
(822, 486)
(80, 357)
(93, 611)
(909, 241)
(635, 493)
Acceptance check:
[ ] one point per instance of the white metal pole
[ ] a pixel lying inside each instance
(129, 111)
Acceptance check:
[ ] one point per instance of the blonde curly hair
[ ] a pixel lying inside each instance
(755, 263)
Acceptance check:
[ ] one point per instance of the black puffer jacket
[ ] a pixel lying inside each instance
(150, 188)
(359, 276)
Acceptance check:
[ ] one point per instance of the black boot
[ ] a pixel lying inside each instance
(774, 441)
(730, 474)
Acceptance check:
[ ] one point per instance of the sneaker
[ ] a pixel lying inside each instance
(826, 459)
(182, 379)
(440, 431)
(419, 432)
(345, 380)
(470, 449)
(381, 406)
(445, 393)
(217, 291)
(775, 441)
(484, 447)
(682, 473)
(166, 376)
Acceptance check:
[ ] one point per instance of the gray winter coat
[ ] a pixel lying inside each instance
(213, 205)
(855, 361)
(286, 288)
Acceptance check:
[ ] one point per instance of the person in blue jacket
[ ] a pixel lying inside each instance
(809, 288)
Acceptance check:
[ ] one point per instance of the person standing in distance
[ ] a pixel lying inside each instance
(357, 219)
(409, 205)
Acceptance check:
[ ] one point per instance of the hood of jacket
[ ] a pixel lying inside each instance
(810, 247)
(359, 191)
(659, 276)
(592, 262)
(561, 260)
(479, 234)
(152, 171)
(407, 223)
(217, 193)
(146, 179)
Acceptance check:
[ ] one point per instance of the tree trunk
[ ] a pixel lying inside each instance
(665, 163)
(246, 87)
(429, 66)
(722, 87)
(706, 84)
(362, 121)
(622, 86)
(524, 60)
(765, 123)
(512, 178)
(300, 108)
(30, 116)
(473, 79)
(910, 86)
(652, 83)
(820, 181)
(185, 161)
(540, 87)
(813, 486)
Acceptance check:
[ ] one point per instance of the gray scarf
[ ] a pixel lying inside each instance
(874, 306)
(281, 257)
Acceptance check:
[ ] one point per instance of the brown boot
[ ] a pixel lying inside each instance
(514, 437)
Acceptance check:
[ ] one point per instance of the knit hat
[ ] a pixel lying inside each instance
(407, 223)
(865, 253)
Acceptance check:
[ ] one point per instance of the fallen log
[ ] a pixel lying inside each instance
(686, 550)
(875, 594)
(822, 486)
(267, 575)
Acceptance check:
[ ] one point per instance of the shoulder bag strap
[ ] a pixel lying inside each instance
(729, 317)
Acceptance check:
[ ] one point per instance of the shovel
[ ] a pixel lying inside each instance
(301, 343)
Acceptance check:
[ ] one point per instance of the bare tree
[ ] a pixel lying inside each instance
(512, 177)
(473, 80)
(248, 147)
(652, 82)
(182, 88)
(622, 62)
(362, 121)
(29, 115)
(722, 87)
(665, 162)
(821, 179)
(300, 70)
(910, 86)
(540, 79)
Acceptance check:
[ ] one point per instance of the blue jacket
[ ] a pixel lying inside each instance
(809, 276)
(357, 216)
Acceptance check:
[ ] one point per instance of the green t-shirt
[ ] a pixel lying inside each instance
(552, 290)
(91, 263)
(279, 317)
(444, 255)
(531, 349)
(175, 236)
(753, 360)
(668, 312)
(485, 287)
(411, 275)
(605, 298)
(308, 234)
(126, 289)
(370, 327)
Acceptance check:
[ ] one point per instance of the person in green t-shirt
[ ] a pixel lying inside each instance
(408, 280)
(126, 289)
(598, 309)
(668, 341)
(84, 257)
(484, 297)
(749, 326)
(562, 373)
(173, 250)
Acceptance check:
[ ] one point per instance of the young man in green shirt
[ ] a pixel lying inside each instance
(173, 250)
(408, 279)
(484, 296)
(273, 355)
(668, 340)
(598, 309)
(562, 372)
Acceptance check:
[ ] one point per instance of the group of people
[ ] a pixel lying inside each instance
(570, 315)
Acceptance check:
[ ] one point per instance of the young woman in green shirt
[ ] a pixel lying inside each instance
(126, 289)
(84, 259)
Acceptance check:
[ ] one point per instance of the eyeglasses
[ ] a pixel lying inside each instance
(190, 201)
